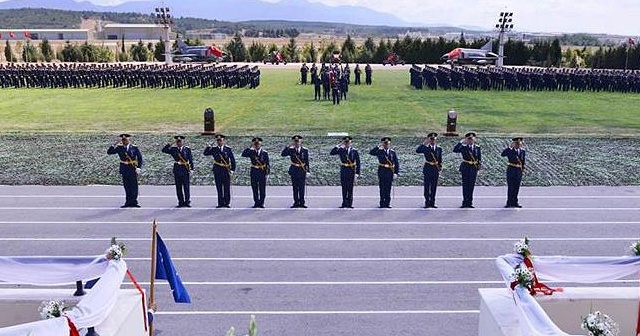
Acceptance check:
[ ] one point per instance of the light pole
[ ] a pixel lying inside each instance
(162, 17)
(504, 25)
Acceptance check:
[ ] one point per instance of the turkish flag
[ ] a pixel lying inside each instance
(12, 35)
(631, 41)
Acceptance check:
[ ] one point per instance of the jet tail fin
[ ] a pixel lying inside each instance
(488, 46)
(181, 44)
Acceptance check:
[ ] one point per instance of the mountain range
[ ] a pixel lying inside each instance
(231, 10)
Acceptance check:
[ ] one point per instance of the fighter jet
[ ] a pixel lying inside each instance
(186, 53)
(482, 56)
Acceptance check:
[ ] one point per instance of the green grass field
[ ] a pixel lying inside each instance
(281, 107)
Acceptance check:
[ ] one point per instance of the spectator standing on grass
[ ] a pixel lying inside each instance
(304, 70)
(357, 73)
(368, 73)
(182, 169)
(130, 168)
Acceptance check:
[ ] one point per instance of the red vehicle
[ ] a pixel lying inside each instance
(275, 57)
(392, 59)
(335, 57)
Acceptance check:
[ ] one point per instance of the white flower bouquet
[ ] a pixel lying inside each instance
(599, 324)
(116, 251)
(521, 247)
(635, 248)
(51, 309)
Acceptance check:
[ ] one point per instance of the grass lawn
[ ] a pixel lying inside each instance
(281, 107)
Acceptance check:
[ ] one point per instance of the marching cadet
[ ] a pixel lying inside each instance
(224, 164)
(299, 169)
(182, 169)
(349, 169)
(516, 156)
(471, 163)
(130, 168)
(388, 168)
(432, 167)
(260, 170)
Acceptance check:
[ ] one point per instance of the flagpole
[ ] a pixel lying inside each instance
(154, 249)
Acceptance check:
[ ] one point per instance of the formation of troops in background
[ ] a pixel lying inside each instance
(524, 79)
(224, 166)
(331, 82)
(81, 75)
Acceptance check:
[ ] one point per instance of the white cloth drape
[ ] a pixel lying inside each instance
(45, 271)
(90, 311)
(533, 319)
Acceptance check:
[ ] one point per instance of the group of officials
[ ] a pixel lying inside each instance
(224, 165)
(331, 82)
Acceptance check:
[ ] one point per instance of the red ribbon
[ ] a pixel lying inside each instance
(539, 287)
(73, 331)
(135, 283)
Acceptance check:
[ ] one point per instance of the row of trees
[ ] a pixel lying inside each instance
(419, 51)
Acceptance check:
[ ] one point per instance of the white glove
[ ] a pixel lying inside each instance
(138, 171)
(308, 174)
(357, 176)
(231, 172)
(395, 176)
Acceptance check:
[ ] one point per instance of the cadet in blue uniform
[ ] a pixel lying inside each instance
(299, 169)
(349, 169)
(471, 163)
(432, 167)
(130, 165)
(224, 164)
(388, 168)
(182, 168)
(260, 169)
(516, 156)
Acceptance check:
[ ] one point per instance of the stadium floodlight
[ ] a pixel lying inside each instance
(504, 25)
(163, 17)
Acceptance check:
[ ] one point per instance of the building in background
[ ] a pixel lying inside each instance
(130, 31)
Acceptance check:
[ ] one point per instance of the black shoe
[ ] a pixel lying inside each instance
(469, 206)
(433, 206)
(124, 206)
(343, 206)
(255, 206)
(226, 206)
(187, 205)
(388, 206)
(134, 206)
(261, 206)
(180, 206)
(517, 206)
(219, 206)
(294, 206)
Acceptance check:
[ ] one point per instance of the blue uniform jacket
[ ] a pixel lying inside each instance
(386, 161)
(515, 160)
(433, 157)
(223, 159)
(349, 160)
(258, 162)
(471, 158)
(182, 157)
(130, 158)
(299, 161)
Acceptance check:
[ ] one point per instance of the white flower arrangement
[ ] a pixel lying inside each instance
(116, 251)
(51, 309)
(521, 247)
(599, 324)
(522, 276)
(635, 248)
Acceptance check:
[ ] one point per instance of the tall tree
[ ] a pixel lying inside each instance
(237, 49)
(158, 51)
(46, 50)
(348, 50)
(8, 53)
(291, 51)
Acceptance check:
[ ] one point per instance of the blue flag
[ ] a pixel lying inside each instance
(165, 270)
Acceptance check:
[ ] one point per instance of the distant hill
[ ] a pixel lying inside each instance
(231, 10)
(32, 18)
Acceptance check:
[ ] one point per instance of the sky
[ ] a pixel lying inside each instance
(568, 16)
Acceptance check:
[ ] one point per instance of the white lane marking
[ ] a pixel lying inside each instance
(62, 239)
(322, 312)
(339, 283)
(322, 223)
(336, 209)
(323, 259)
(337, 196)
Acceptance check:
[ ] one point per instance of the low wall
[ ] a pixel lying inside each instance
(20, 306)
(499, 316)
